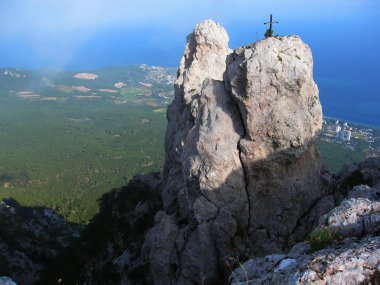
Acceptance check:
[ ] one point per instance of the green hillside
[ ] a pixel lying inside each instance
(65, 141)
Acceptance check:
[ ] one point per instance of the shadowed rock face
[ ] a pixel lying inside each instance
(353, 255)
(30, 237)
(241, 167)
(272, 83)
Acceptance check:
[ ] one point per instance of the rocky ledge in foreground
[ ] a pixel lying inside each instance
(351, 254)
(351, 261)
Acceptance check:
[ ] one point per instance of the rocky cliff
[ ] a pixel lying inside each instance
(352, 255)
(241, 167)
(242, 184)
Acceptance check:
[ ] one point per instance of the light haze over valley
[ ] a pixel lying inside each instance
(91, 34)
(83, 64)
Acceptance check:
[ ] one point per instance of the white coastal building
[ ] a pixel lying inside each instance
(343, 133)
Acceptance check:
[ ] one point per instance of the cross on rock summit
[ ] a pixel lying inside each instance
(269, 32)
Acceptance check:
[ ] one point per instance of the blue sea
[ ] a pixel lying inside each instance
(350, 100)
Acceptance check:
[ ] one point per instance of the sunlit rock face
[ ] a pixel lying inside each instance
(241, 167)
(272, 83)
(197, 116)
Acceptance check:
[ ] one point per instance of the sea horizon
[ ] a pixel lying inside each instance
(342, 120)
(350, 100)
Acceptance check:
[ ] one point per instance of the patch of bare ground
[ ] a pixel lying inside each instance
(119, 85)
(49, 98)
(87, 76)
(81, 88)
(81, 97)
(119, 101)
(108, 90)
(147, 85)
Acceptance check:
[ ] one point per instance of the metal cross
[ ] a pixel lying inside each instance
(269, 32)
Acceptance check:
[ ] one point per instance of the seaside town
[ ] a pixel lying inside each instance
(352, 136)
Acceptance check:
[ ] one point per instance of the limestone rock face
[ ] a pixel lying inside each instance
(352, 261)
(241, 167)
(204, 57)
(357, 215)
(204, 187)
(272, 81)
(352, 258)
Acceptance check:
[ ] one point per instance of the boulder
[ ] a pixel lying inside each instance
(357, 215)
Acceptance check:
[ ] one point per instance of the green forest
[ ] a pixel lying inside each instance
(89, 137)
(65, 153)
(65, 156)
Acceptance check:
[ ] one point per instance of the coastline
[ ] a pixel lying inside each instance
(363, 124)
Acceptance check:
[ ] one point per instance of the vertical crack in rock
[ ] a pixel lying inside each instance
(202, 176)
(282, 119)
(240, 155)
(241, 83)
(243, 168)
(245, 187)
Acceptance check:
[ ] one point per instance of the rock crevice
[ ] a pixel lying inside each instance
(241, 164)
(353, 253)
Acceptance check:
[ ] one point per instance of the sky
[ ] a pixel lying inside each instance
(85, 34)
